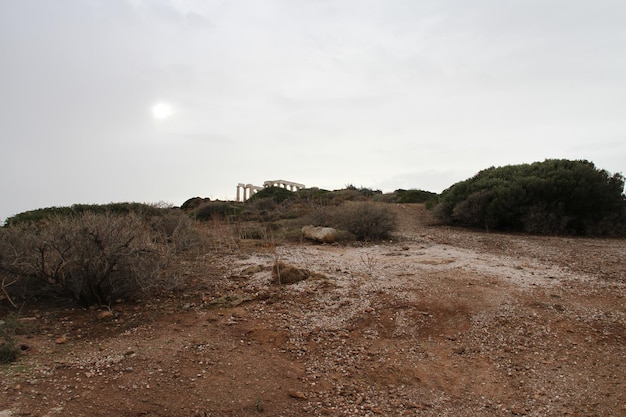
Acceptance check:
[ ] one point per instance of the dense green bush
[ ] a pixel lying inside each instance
(338, 197)
(364, 191)
(217, 210)
(78, 209)
(93, 258)
(550, 197)
(365, 220)
(275, 194)
(413, 196)
(316, 196)
(194, 203)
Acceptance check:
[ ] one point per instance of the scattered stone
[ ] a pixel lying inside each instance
(436, 261)
(251, 270)
(26, 320)
(517, 411)
(287, 274)
(104, 314)
(299, 395)
(231, 300)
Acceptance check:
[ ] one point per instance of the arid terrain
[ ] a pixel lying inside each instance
(436, 322)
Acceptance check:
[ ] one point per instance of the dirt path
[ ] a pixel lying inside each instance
(437, 322)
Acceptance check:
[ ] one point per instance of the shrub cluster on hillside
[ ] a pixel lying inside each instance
(366, 221)
(550, 197)
(141, 209)
(413, 196)
(276, 194)
(350, 210)
(98, 253)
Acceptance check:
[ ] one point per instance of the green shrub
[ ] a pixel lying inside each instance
(368, 221)
(338, 197)
(365, 220)
(385, 198)
(275, 194)
(217, 209)
(39, 214)
(141, 209)
(316, 196)
(364, 191)
(413, 196)
(550, 197)
(194, 203)
(263, 206)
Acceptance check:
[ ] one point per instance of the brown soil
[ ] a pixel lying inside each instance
(437, 322)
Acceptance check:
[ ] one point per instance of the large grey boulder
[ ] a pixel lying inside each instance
(319, 234)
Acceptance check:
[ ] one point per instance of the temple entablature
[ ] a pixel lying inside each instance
(245, 191)
(292, 186)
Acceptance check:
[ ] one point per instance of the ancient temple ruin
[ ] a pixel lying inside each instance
(293, 186)
(245, 191)
(248, 191)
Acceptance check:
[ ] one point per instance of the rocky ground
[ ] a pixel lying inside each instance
(436, 322)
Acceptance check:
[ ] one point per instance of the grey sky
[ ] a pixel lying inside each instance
(379, 93)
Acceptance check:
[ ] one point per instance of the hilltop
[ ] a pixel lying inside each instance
(433, 321)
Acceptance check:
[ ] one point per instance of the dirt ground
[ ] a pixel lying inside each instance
(437, 322)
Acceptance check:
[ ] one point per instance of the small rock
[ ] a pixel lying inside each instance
(299, 395)
(251, 270)
(517, 411)
(287, 274)
(104, 314)
(319, 234)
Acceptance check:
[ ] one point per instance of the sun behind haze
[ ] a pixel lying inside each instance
(392, 95)
(161, 110)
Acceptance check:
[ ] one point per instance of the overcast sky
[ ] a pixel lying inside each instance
(385, 94)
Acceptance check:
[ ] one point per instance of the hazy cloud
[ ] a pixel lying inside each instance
(388, 94)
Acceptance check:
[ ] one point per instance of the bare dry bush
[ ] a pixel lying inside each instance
(179, 232)
(222, 234)
(94, 258)
(365, 220)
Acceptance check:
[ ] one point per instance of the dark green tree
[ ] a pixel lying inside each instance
(556, 196)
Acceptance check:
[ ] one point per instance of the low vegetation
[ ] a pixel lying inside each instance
(96, 254)
(141, 209)
(9, 349)
(413, 196)
(550, 197)
(366, 221)
(94, 258)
